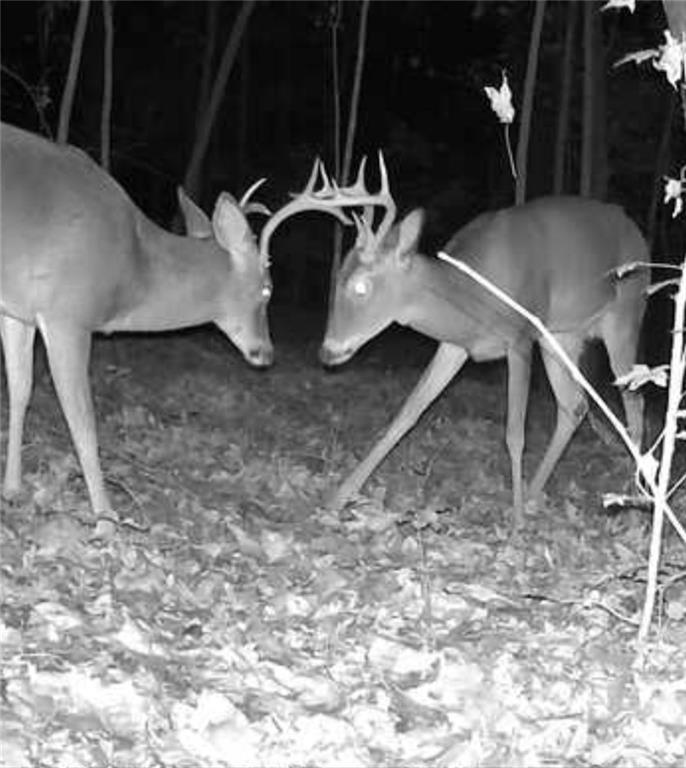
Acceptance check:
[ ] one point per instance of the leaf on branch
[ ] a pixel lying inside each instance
(501, 101)
(625, 500)
(675, 190)
(648, 466)
(637, 56)
(641, 374)
(672, 60)
(669, 58)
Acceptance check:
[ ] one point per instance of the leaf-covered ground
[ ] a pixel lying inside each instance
(233, 621)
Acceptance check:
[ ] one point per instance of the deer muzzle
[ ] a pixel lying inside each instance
(331, 353)
(261, 356)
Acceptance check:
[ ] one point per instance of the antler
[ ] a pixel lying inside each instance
(367, 238)
(330, 198)
(307, 200)
(253, 207)
(357, 194)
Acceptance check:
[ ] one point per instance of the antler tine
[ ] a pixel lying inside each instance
(368, 215)
(385, 199)
(314, 175)
(358, 187)
(359, 226)
(329, 187)
(256, 207)
(367, 240)
(246, 196)
(365, 236)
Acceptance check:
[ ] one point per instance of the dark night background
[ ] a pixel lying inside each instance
(422, 102)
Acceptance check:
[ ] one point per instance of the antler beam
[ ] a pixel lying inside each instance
(332, 199)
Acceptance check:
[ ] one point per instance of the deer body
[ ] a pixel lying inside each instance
(555, 256)
(571, 232)
(78, 256)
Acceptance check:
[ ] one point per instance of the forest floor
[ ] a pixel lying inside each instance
(233, 621)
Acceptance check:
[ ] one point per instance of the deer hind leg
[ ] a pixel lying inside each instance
(445, 364)
(68, 350)
(571, 407)
(620, 328)
(17, 343)
(518, 380)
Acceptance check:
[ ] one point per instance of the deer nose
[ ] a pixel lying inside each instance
(261, 357)
(333, 355)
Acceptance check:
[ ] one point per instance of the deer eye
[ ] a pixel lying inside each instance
(361, 287)
(266, 291)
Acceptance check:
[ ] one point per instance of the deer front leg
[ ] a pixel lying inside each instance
(17, 343)
(445, 364)
(68, 350)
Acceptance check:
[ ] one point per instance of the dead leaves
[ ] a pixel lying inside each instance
(244, 625)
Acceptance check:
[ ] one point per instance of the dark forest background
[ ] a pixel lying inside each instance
(421, 101)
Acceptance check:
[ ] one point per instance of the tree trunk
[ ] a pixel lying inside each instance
(192, 176)
(563, 115)
(586, 170)
(207, 60)
(528, 101)
(336, 11)
(599, 159)
(106, 113)
(242, 143)
(73, 73)
(350, 138)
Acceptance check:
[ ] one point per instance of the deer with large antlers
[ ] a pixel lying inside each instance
(78, 256)
(556, 256)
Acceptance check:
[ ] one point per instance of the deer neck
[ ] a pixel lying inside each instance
(433, 305)
(173, 281)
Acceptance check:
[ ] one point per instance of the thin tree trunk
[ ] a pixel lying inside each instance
(350, 137)
(72, 73)
(528, 101)
(355, 97)
(336, 13)
(106, 113)
(562, 130)
(207, 59)
(587, 129)
(192, 176)
(242, 144)
(593, 180)
(599, 170)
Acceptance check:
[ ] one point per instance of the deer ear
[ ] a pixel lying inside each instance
(229, 223)
(197, 223)
(409, 230)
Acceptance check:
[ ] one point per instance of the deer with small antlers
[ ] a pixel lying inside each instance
(557, 256)
(78, 256)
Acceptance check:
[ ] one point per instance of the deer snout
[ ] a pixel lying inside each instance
(261, 356)
(331, 353)
(251, 338)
